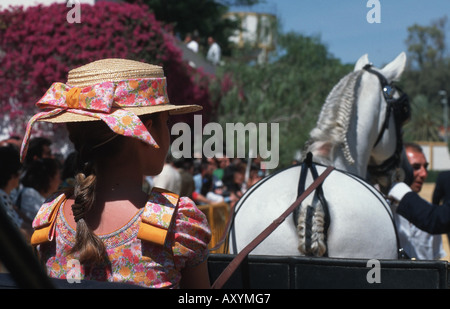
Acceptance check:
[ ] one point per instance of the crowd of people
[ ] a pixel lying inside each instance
(208, 180)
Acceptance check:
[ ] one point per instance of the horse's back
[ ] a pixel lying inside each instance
(361, 224)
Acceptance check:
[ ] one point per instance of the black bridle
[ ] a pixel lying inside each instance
(401, 110)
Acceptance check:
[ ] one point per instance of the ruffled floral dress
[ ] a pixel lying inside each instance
(183, 242)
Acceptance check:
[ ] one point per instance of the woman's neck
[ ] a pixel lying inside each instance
(119, 181)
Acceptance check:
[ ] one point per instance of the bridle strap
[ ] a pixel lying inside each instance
(394, 160)
(384, 83)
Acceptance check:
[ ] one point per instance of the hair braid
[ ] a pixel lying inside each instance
(89, 246)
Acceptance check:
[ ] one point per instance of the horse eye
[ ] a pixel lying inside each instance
(389, 91)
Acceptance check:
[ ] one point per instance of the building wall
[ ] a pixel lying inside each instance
(437, 154)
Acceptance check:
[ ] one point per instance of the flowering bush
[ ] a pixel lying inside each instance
(38, 46)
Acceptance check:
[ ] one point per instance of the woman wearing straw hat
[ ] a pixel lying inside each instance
(116, 113)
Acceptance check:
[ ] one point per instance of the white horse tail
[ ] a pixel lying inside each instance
(311, 230)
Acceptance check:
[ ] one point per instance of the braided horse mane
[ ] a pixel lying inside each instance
(333, 122)
(330, 133)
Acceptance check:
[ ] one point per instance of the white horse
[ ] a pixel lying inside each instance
(348, 136)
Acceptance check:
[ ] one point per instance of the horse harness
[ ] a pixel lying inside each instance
(401, 110)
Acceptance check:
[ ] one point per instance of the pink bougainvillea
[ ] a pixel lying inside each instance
(38, 46)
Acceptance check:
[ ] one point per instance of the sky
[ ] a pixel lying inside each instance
(343, 27)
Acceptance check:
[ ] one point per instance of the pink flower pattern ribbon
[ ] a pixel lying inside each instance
(97, 101)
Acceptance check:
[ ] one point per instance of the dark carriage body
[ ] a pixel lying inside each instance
(275, 272)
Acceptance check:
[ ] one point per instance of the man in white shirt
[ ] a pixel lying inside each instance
(191, 42)
(214, 52)
(169, 179)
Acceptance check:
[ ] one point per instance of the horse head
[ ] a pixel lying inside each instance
(359, 124)
(386, 162)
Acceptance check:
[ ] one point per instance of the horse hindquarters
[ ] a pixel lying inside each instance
(360, 220)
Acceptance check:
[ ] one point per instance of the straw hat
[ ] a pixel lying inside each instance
(115, 70)
(115, 91)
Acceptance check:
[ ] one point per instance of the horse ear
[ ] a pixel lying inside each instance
(393, 70)
(362, 61)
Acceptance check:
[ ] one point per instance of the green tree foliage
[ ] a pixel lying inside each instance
(424, 121)
(288, 90)
(427, 73)
(426, 44)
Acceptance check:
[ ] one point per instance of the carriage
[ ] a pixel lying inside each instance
(339, 231)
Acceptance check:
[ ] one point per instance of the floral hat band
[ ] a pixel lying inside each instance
(101, 97)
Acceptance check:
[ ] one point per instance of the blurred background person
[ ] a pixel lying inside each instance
(218, 193)
(41, 179)
(214, 51)
(10, 168)
(191, 41)
(13, 140)
(169, 178)
(185, 167)
(234, 180)
(203, 179)
(256, 174)
(69, 170)
(39, 148)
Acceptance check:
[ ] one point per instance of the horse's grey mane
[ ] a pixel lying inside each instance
(333, 122)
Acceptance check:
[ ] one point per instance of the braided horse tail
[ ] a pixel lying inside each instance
(312, 220)
(310, 229)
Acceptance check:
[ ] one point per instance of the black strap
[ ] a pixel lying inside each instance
(384, 83)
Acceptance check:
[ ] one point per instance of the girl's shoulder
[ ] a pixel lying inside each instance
(44, 222)
(168, 214)
(166, 210)
(158, 215)
(49, 207)
(163, 205)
